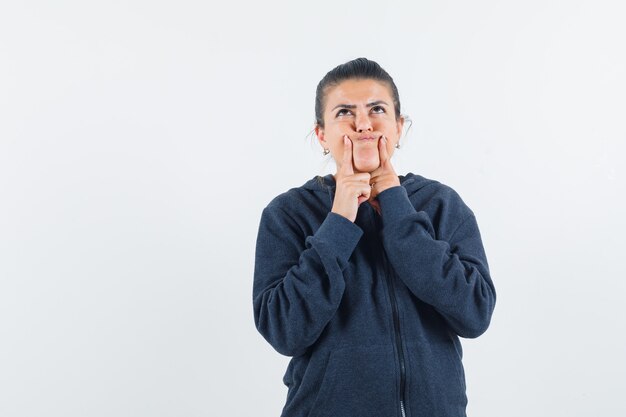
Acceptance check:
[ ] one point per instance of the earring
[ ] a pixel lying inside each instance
(326, 151)
(398, 145)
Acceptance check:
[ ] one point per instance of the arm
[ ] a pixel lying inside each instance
(298, 281)
(452, 276)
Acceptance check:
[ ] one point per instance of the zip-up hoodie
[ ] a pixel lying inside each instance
(371, 311)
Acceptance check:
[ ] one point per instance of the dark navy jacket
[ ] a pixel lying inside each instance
(372, 311)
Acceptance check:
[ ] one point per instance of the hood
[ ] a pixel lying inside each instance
(326, 184)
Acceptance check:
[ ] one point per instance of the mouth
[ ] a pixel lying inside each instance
(367, 138)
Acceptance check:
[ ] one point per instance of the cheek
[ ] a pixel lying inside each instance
(337, 152)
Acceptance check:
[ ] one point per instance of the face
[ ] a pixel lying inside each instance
(359, 109)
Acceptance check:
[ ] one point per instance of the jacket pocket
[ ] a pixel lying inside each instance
(437, 380)
(358, 381)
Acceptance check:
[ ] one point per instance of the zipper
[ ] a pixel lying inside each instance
(396, 325)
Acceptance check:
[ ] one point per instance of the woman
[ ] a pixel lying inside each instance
(366, 278)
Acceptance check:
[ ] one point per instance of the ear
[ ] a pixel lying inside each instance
(400, 126)
(319, 132)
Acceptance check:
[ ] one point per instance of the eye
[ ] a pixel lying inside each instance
(378, 109)
(339, 113)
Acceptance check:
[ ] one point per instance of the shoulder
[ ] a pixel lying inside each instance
(427, 192)
(301, 204)
(296, 198)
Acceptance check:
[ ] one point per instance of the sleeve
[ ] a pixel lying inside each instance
(452, 276)
(298, 281)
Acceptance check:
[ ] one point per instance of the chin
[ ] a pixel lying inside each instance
(367, 166)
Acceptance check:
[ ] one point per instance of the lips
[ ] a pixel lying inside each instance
(368, 137)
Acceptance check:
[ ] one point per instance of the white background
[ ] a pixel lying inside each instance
(140, 140)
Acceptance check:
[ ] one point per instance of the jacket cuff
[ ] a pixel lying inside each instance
(340, 234)
(395, 204)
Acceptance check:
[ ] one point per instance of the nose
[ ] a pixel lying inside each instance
(363, 122)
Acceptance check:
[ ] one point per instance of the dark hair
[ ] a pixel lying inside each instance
(360, 68)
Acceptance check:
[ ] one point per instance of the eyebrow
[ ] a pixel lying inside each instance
(353, 106)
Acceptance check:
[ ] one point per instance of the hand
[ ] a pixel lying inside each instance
(382, 177)
(352, 189)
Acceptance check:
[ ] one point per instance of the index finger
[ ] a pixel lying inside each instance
(346, 161)
(382, 151)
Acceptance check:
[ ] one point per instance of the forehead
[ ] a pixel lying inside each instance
(358, 91)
